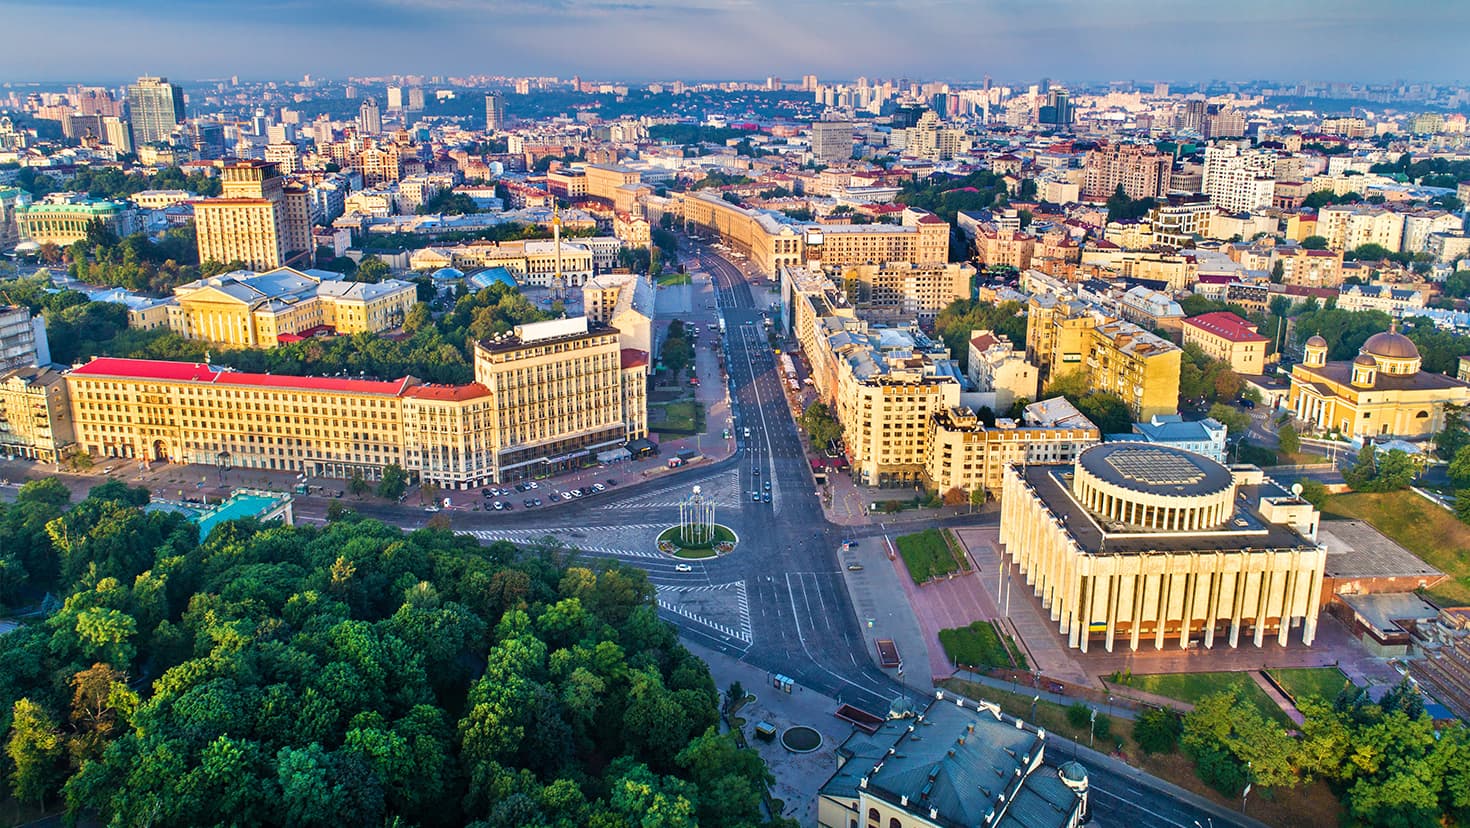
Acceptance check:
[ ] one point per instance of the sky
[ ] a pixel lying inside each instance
(636, 40)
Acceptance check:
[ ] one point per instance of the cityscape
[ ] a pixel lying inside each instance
(622, 434)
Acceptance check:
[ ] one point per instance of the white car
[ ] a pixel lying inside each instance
(683, 568)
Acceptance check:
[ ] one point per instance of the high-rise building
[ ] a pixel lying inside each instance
(369, 118)
(832, 141)
(22, 338)
(116, 133)
(395, 97)
(494, 111)
(258, 220)
(1239, 181)
(1140, 168)
(1058, 108)
(155, 107)
(416, 99)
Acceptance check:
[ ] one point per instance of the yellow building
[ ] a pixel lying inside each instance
(63, 218)
(1224, 336)
(532, 261)
(35, 415)
(963, 453)
(550, 396)
(262, 310)
(1140, 544)
(257, 220)
(1118, 357)
(1381, 392)
(902, 291)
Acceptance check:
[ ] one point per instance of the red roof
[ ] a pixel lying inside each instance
(983, 341)
(1227, 325)
(633, 358)
(157, 369)
(455, 393)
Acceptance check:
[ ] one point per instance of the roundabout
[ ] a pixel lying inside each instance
(718, 540)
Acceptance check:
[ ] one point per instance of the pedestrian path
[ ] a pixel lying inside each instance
(721, 607)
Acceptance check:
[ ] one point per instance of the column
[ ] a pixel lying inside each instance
(1212, 604)
(1288, 601)
(1191, 585)
(1166, 581)
(1113, 589)
(1083, 627)
(1140, 583)
(1309, 628)
(1240, 577)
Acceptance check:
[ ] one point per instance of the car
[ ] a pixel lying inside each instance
(532, 484)
(767, 485)
(528, 502)
(520, 487)
(487, 493)
(598, 487)
(576, 492)
(766, 497)
(498, 506)
(612, 481)
(431, 508)
(747, 433)
(755, 470)
(854, 567)
(535, 501)
(683, 568)
(755, 497)
(509, 505)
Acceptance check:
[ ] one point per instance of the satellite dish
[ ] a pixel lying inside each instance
(1296, 489)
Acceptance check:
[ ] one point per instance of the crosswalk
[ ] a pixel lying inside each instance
(668, 598)
(573, 536)
(722, 489)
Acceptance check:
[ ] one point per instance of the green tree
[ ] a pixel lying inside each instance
(1314, 492)
(357, 485)
(1315, 243)
(1237, 423)
(1291, 442)
(393, 482)
(35, 751)
(677, 355)
(1157, 730)
(370, 269)
(821, 426)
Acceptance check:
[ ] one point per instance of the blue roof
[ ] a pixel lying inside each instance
(490, 276)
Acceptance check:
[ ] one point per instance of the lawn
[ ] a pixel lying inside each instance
(683, 417)
(927, 555)
(980, 647)
(1322, 682)
(1420, 527)
(1191, 687)
(673, 277)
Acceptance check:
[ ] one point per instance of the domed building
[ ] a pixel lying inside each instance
(1382, 392)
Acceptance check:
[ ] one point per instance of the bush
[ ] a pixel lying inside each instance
(1078, 714)
(1158, 730)
(1219, 769)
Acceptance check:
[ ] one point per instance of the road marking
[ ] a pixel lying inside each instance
(802, 638)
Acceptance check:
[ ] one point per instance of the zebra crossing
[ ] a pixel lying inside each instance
(572, 536)
(670, 599)
(722, 489)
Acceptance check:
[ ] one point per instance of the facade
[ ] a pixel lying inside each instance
(1141, 169)
(958, 763)
(902, 291)
(261, 310)
(1116, 356)
(623, 301)
(1224, 336)
(557, 393)
(1381, 392)
(961, 452)
(1310, 268)
(832, 141)
(257, 220)
(1239, 181)
(11, 198)
(997, 368)
(61, 218)
(1206, 437)
(1154, 309)
(22, 338)
(1387, 298)
(494, 111)
(156, 108)
(1142, 544)
(35, 415)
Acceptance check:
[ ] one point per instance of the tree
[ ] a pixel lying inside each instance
(1236, 422)
(1157, 730)
(393, 483)
(1462, 505)
(370, 269)
(821, 427)
(35, 751)
(1376, 471)
(1459, 468)
(1291, 442)
(677, 354)
(977, 497)
(1315, 243)
(357, 485)
(1454, 436)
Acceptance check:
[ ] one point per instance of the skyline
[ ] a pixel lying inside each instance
(642, 40)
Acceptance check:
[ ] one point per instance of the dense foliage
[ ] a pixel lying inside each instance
(955, 322)
(946, 195)
(348, 675)
(1105, 409)
(1386, 760)
(112, 182)
(138, 263)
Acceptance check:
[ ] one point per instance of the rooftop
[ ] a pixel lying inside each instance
(1155, 469)
(157, 369)
(1226, 325)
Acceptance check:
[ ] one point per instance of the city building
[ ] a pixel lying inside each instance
(1224, 336)
(547, 397)
(495, 117)
(1116, 356)
(258, 220)
(958, 763)
(832, 141)
(1302, 267)
(35, 415)
(63, 218)
(22, 338)
(1239, 181)
(961, 452)
(370, 118)
(902, 291)
(155, 109)
(1205, 436)
(623, 301)
(1391, 300)
(262, 310)
(1139, 544)
(1153, 309)
(1141, 169)
(997, 369)
(11, 199)
(1379, 393)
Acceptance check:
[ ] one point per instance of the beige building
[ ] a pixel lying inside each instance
(63, 218)
(1224, 336)
(548, 397)
(1381, 392)
(1143, 544)
(963, 453)
(1116, 356)
(623, 301)
(35, 415)
(262, 310)
(902, 291)
(1309, 268)
(1141, 169)
(532, 262)
(998, 369)
(258, 220)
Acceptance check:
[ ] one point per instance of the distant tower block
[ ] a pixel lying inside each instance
(696, 519)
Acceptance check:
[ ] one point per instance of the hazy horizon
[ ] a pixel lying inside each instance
(642, 40)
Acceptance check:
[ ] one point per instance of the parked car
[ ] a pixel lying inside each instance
(528, 502)
(854, 567)
(612, 481)
(598, 487)
(767, 484)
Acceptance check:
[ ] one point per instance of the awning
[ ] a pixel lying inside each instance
(613, 456)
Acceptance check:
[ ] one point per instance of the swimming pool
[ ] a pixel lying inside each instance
(241, 505)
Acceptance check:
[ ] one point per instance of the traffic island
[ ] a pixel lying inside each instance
(720, 540)
(801, 739)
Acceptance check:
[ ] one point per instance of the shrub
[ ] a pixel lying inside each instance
(1158, 730)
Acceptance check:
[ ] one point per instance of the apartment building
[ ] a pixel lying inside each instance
(1140, 169)
(547, 396)
(35, 415)
(903, 291)
(1224, 336)
(258, 219)
(1347, 227)
(1237, 180)
(997, 369)
(532, 262)
(623, 301)
(263, 310)
(1116, 356)
(963, 453)
(64, 218)
(1387, 298)
(831, 141)
(22, 338)
(1309, 268)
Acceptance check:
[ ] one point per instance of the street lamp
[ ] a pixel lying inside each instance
(222, 464)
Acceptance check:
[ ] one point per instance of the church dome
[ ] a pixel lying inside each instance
(1364, 359)
(1316, 342)
(1391, 345)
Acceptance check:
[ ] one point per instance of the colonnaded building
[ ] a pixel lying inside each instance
(1147, 543)
(546, 396)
